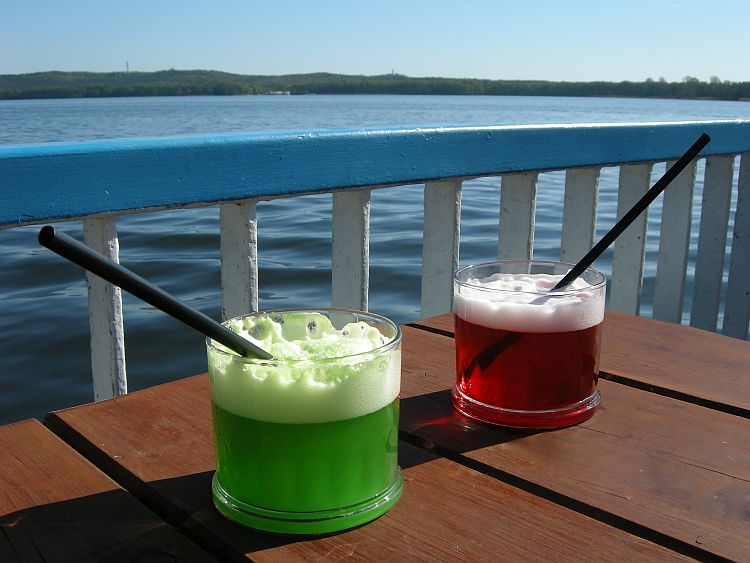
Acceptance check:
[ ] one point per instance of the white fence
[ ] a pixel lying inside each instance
(108, 179)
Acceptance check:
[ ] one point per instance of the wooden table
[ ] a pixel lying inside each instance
(661, 472)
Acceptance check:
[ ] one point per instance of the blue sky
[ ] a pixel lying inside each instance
(497, 39)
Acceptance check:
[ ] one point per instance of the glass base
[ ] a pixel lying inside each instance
(319, 522)
(556, 418)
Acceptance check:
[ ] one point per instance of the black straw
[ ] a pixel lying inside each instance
(636, 210)
(489, 354)
(80, 254)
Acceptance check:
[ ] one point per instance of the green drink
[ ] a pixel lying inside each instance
(307, 442)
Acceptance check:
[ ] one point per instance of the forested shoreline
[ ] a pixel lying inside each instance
(57, 84)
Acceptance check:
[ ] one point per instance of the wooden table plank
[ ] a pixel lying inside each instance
(688, 360)
(56, 506)
(685, 360)
(654, 461)
(158, 442)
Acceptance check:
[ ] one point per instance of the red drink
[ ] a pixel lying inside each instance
(525, 357)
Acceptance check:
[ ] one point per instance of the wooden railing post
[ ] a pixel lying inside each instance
(630, 247)
(712, 241)
(350, 249)
(674, 242)
(579, 213)
(442, 216)
(737, 310)
(105, 314)
(517, 213)
(239, 258)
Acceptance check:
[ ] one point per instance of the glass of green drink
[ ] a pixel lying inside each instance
(307, 442)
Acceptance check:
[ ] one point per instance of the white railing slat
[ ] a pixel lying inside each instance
(517, 213)
(629, 248)
(105, 314)
(579, 213)
(737, 310)
(442, 215)
(712, 241)
(239, 258)
(674, 243)
(350, 255)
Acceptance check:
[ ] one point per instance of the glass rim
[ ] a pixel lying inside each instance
(560, 293)
(212, 347)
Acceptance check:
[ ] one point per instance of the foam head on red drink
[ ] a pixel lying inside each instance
(524, 303)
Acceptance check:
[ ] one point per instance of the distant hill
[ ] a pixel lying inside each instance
(56, 84)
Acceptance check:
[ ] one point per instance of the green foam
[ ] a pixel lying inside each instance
(319, 373)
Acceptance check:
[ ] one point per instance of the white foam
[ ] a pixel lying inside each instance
(361, 375)
(522, 303)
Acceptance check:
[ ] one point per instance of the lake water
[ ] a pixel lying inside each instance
(44, 349)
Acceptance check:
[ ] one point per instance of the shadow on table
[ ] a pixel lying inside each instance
(430, 422)
(427, 421)
(186, 502)
(104, 527)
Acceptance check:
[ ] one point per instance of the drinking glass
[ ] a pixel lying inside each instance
(527, 357)
(307, 446)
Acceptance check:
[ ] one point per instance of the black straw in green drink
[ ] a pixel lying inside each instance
(488, 355)
(80, 254)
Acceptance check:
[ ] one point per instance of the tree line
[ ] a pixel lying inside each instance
(172, 82)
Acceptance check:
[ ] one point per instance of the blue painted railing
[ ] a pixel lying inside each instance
(99, 180)
(71, 180)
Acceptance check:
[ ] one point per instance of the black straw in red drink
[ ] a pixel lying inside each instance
(634, 212)
(488, 355)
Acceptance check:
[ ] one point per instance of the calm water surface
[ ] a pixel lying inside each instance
(44, 349)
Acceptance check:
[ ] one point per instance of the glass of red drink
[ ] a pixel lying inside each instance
(527, 357)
